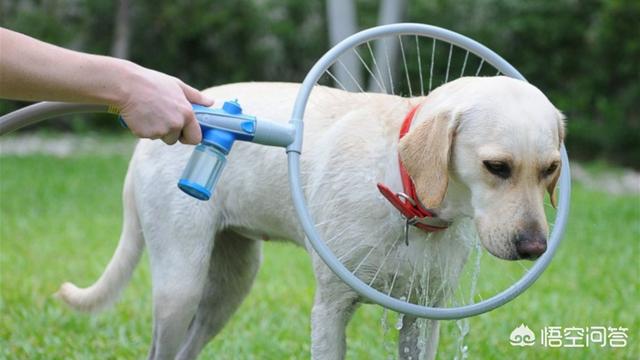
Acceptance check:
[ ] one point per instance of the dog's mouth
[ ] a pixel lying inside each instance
(510, 255)
(522, 250)
(517, 249)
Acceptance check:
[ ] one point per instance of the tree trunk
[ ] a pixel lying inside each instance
(387, 51)
(342, 22)
(121, 36)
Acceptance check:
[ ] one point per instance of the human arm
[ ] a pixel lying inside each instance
(153, 104)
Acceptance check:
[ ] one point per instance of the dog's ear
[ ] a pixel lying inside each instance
(425, 153)
(561, 127)
(552, 185)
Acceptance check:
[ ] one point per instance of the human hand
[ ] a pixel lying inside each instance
(154, 105)
(158, 106)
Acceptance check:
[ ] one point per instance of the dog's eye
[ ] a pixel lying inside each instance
(498, 168)
(550, 170)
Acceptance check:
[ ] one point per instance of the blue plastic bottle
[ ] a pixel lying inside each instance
(205, 166)
(203, 171)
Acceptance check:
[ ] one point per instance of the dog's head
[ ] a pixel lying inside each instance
(495, 144)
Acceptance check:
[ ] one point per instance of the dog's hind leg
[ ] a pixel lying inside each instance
(179, 253)
(234, 264)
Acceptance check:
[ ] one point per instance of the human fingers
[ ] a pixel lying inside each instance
(195, 96)
(191, 132)
(171, 138)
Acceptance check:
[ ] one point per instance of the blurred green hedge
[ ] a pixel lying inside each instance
(584, 54)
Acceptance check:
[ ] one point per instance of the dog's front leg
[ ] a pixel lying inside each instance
(331, 312)
(408, 342)
(408, 339)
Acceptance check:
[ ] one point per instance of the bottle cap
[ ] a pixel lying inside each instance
(232, 107)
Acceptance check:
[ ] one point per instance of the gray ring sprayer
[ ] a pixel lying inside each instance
(221, 127)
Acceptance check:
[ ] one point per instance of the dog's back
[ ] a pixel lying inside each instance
(348, 136)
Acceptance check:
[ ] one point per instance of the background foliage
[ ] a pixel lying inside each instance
(584, 54)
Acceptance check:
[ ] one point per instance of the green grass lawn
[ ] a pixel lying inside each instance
(60, 220)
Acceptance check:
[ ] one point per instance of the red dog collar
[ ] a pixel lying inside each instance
(407, 202)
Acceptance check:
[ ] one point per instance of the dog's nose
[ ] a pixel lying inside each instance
(530, 246)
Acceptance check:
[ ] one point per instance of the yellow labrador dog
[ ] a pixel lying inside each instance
(481, 151)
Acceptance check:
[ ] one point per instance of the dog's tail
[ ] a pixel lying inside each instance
(106, 290)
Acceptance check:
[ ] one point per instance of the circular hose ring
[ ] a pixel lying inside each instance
(318, 243)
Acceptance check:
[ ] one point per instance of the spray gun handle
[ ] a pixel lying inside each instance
(124, 123)
(220, 129)
(243, 127)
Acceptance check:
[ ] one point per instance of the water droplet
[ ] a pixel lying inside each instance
(388, 343)
(399, 322)
(384, 322)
